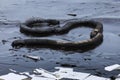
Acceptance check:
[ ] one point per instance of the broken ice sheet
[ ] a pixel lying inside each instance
(44, 73)
(112, 67)
(12, 76)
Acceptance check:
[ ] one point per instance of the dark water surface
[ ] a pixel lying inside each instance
(92, 61)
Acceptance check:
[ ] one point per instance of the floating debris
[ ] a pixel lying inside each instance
(4, 41)
(36, 58)
(72, 14)
(87, 59)
(68, 65)
(112, 78)
(112, 67)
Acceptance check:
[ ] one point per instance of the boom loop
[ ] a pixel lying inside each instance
(29, 28)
